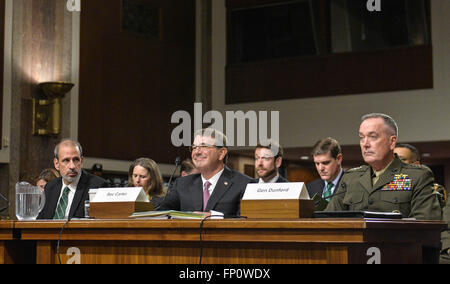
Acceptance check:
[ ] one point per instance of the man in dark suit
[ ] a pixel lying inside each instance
(327, 156)
(216, 187)
(65, 196)
(268, 159)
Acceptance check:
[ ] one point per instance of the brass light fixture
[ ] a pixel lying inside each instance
(47, 111)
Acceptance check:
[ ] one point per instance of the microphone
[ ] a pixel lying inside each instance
(169, 185)
(59, 239)
(177, 164)
(319, 199)
(7, 201)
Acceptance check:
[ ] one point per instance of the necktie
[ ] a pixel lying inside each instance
(327, 194)
(206, 194)
(60, 212)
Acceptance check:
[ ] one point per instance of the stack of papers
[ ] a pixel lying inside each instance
(172, 214)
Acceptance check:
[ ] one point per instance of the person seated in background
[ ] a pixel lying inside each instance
(267, 162)
(445, 237)
(217, 187)
(45, 176)
(188, 168)
(386, 184)
(144, 172)
(410, 155)
(97, 169)
(327, 157)
(407, 153)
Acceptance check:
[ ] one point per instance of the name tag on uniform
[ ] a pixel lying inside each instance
(401, 182)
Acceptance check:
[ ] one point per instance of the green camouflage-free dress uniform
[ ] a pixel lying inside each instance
(442, 194)
(403, 188)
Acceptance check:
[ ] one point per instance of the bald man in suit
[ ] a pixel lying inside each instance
(65, 196)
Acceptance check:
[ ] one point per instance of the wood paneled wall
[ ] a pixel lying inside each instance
(130, 84)
(302, 174)
(41, 51)
(327, 74)
(331, 75)
(40, 54)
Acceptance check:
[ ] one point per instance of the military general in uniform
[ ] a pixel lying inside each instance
(386, 184)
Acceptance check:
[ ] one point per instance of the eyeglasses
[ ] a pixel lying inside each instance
(202, 147)
(264, 158)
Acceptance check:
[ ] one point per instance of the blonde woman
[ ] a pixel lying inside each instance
(144, 172)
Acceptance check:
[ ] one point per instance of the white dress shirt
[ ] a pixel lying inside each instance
(273, 180)
(213, 181)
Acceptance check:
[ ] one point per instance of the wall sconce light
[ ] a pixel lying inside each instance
(47, 112)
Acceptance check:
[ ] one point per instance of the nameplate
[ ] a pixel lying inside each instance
(276, 191)
(120, 194)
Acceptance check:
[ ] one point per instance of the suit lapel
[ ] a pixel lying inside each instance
(319, 189)
(78, 194)
(55, 197)
(222, 186)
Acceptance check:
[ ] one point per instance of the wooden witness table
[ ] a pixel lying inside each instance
(12, 249)
(231, 241)
(6, 237)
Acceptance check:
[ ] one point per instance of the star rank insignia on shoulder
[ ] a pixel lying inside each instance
(358, 169)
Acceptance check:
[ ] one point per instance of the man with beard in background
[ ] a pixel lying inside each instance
(268, 160)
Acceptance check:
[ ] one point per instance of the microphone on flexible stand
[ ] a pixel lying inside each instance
(320, 203)
(169, 185)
